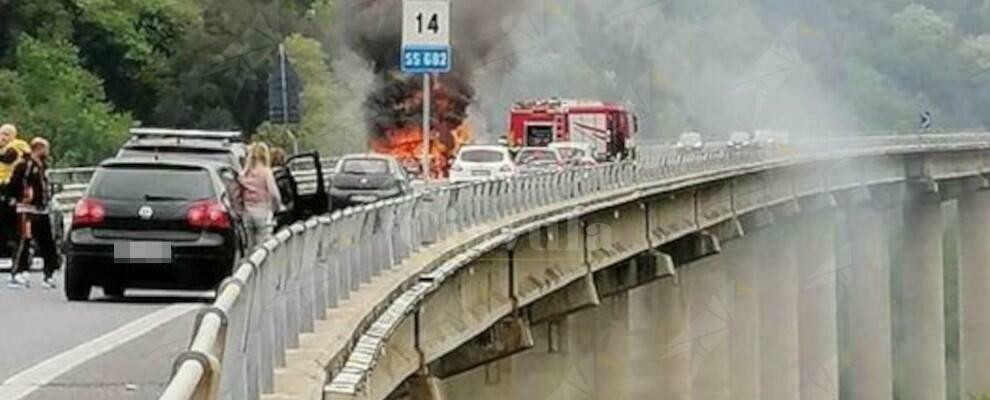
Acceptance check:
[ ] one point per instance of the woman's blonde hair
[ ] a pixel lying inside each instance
(258, 156)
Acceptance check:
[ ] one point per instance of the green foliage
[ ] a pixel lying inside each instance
(51, 95)
(323, 127)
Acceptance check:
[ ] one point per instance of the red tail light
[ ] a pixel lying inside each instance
(88, 213)
(208, 215)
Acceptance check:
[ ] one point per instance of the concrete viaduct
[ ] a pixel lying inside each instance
(719, 284)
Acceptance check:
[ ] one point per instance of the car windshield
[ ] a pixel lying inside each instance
(364, 166)
(570, 153)
(536, 157)
(151, 183)
(482, 156)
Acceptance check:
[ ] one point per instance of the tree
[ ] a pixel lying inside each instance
(53, 96)
(325, 125)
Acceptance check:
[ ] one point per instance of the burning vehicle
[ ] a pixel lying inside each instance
(393, 108)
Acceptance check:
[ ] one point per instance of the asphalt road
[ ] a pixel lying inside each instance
(51, 349)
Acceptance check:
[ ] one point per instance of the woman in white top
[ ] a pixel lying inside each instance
(261, 196)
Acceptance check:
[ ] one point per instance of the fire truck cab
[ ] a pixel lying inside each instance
(609, 128)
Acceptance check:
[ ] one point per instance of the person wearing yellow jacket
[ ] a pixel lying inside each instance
(12, 152)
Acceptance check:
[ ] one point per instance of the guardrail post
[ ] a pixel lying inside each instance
(293, 307)
(276, 264)
(309, 281)
(365, 249)
(193, 377)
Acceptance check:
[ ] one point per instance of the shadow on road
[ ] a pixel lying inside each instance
(157, 298)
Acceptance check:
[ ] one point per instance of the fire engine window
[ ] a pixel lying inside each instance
(482, 156)
(539, 136)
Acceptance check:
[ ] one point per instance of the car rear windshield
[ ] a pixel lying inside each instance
(531, 156)
(570, 153)
(148, 183)
(482, 156)
(364, 166)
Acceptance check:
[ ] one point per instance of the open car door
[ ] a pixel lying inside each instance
(303, 188)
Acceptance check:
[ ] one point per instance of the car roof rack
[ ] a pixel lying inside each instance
(229, 136)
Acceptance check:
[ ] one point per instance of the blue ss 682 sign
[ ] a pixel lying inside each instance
(425, 59)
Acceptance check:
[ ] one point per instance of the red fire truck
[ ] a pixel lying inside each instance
(610, 128)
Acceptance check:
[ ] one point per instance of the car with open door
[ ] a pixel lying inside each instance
(155, 224)
(303, 187)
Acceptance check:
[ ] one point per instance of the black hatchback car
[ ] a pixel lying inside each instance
(367, 178)
(149, 223)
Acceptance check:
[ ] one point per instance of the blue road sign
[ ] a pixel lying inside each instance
(422, 59)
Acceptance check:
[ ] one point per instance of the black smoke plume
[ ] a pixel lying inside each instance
(373, 29)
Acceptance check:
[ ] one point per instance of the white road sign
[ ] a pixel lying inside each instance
(425, 36)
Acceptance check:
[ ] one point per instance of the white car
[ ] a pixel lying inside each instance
(575, 153)
(738, 140)
(690, 141)
(478, 163)
(769, 138)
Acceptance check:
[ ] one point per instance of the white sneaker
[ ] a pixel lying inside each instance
(14, 283)
(24, 279)
(48, 283)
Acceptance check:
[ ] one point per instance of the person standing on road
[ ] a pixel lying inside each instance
(261, 195)
(12, 152)
(29, 186)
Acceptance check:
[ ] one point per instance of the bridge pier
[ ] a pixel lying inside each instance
(710, 304)
(744, 334)
(974, 292)
(610, 324)
(868, 306)
(817, 335)
(922, 355)
(778, 293)
(661, 364)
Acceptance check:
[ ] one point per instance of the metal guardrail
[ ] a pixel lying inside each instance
(291, 280)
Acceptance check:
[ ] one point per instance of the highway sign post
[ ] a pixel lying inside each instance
(425, 50)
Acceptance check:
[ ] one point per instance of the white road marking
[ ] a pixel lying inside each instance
(34, 378)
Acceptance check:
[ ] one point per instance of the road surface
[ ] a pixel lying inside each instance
(51, 349)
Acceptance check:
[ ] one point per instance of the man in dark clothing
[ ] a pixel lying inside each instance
(29, 186)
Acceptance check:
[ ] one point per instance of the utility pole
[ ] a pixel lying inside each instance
(426, 126)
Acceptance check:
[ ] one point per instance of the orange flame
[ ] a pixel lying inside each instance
(404, 142)
(406, 145)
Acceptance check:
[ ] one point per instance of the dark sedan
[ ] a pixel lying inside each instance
(367, 178)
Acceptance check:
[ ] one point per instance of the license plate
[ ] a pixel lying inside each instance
(364, 199)
(481, 172)
(142, 252)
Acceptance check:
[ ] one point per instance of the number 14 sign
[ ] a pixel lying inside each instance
(425, 36)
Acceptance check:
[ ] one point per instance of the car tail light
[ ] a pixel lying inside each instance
(88, 212)
(208, 215)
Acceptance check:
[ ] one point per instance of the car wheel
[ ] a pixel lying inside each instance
(113, 291)
(77, 287)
